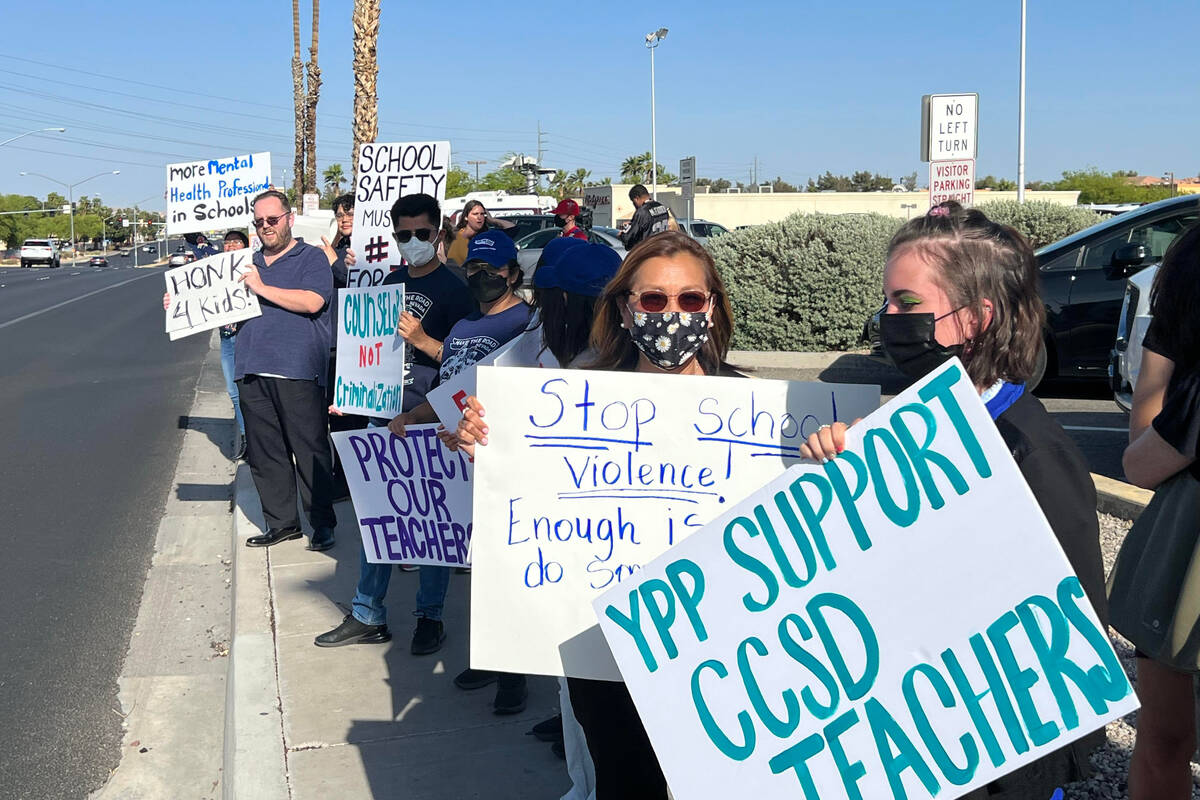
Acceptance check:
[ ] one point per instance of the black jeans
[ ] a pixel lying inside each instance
(626, 767)
(286, 422)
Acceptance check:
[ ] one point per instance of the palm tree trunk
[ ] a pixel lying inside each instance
(366, 77)
(298, 99)
(314, 94)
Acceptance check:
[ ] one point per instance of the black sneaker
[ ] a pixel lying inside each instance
(511, 694)
(549, 730)
(470, 679)
(239, 450)
(428, 636)
(351, 631)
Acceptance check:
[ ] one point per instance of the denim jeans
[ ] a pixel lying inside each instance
(431, 593)
(373, 580)
(227, 348)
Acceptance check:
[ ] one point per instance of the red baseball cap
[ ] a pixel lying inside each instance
(566, 208)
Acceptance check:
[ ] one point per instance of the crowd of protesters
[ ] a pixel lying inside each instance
(957, 284)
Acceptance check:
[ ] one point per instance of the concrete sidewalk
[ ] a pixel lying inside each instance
(362, 721)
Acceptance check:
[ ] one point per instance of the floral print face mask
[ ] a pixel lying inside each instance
(669, 339)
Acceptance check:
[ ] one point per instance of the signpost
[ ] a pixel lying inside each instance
(687, 182)
(950, 143)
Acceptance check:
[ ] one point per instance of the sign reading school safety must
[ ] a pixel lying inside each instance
(207, 294)
(949, 126)
(411, 495)
(370, 352)
(218, 193)
(952, 180)
(899, 622)
(589, 475)
(388, 171)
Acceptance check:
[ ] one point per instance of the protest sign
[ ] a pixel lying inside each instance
(370, 352)
(897, 622)
(449, 397)
(218, 193)
(588, 475)
(388, 171)
(412, 496)
(206, 294)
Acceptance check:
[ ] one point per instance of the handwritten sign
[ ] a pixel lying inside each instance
(411, 495)
(387, 172)
(218, 193)
(898, 622)
(449, 397)
(206, 294)
(370, 353)
(589, 475)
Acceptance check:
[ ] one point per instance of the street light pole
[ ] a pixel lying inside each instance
(71, 200)
(1021, 116)
(30, 133)
(652, 41)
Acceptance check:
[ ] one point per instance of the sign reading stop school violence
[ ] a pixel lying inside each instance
(899, 622)
(388, 171)
(588, 475)
(411, 495)
(207, 294)
(218, 193)
(370, 353)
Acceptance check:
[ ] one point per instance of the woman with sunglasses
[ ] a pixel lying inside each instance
(664, 312)
(959, 284)
(474, 220)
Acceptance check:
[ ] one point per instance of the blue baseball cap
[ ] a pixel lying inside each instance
(582, 270)
(552, 253)
(492, 246)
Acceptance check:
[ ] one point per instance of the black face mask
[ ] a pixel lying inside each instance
(486, 287)
(909, 341)
(560, 222)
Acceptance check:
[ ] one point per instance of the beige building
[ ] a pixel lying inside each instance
(611, 206)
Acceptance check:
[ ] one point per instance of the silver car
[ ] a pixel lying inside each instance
(529, 247)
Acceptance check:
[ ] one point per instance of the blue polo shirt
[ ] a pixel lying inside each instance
(282, 343)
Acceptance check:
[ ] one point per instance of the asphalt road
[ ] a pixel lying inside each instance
(91, 392)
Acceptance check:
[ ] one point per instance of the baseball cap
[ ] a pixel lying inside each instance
(493, 247)
(584, 270)
(566, 208)
(554, 249)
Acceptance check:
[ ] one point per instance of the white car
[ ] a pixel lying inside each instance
(1126, 360)
(40, 251)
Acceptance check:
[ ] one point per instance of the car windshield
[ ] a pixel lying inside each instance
(1112, 222)
(37, 243)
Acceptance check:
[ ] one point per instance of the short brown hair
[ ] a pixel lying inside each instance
(278, 195)
(614, 347)
(977, 259)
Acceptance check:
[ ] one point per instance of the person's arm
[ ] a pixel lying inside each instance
(1149, 392)
(412, 332)
(502, 224)
(337, 263)
(421, 414)
(637, 228)
(1150, 459)
(301, 301)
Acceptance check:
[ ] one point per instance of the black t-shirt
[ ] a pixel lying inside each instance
(439, 300)
(1179, 421)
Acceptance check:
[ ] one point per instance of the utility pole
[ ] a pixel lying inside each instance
(539, 143)
(476, 164)
(1021, 116)
(754, 174)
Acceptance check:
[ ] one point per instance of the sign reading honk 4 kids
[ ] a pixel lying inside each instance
(388, 171)
(588, 475)
(899, 622)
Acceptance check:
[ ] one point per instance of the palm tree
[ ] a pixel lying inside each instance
(636, 169)
(298, 101)
(559, 184)
(365, 20)
(334, 176)
(577, 181)
(310, 116)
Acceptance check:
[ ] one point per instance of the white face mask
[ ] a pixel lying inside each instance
(416, 252)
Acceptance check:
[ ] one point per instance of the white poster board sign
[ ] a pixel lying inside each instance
(388, 171)
(952, 180)
(412, 496)
(370, 352)
(835, 633)
(215, 194)
(589, 475)
(207, 294)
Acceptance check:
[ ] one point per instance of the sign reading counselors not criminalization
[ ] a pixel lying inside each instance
(370, 354)
(218, 193)
(207, 294)
(388, 171)
(899, 622)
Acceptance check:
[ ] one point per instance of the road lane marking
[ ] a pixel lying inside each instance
(1092, 428)
(33, 314)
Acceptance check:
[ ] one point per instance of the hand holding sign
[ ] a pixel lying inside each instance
(251, 279)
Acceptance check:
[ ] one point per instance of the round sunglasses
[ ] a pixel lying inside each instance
(654, 301)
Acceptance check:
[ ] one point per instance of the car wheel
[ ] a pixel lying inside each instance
(1039, 367)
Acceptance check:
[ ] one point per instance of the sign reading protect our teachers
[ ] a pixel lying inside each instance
(386, 172)
(370, 353)
(589, 475)
(217, 193)
(899, 622)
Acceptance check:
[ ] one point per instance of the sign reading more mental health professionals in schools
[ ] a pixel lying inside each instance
(952, 180)
(370, 352)
(207, 294)
(388, 171)
(218, 193)
(589, 475)
(412, 496)
(899, 622)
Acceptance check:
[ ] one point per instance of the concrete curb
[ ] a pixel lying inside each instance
(763, 359)
(1119, 498)
(255, 762)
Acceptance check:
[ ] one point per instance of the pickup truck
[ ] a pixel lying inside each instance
(40, 251)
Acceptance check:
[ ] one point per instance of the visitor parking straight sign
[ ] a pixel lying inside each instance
(952, 180)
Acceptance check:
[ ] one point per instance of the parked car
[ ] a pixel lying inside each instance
(1083, 284)
(41, 251)
(1125, 363)
(529, 248)
(702, 230)
(97, 261)
(528, 223)
(178, 259)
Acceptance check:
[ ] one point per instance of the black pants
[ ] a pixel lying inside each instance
(286, 422)
(626, 767)
(344, 422)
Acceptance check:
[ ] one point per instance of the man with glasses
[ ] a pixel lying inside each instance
(434, 299)
(281, 366)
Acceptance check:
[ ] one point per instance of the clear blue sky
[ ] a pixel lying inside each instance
(804, 86)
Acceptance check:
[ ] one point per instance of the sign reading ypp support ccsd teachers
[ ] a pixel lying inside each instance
(899, 622)
(215, 194)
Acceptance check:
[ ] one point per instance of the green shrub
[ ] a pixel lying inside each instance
(807, 282)
(1041, 221)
